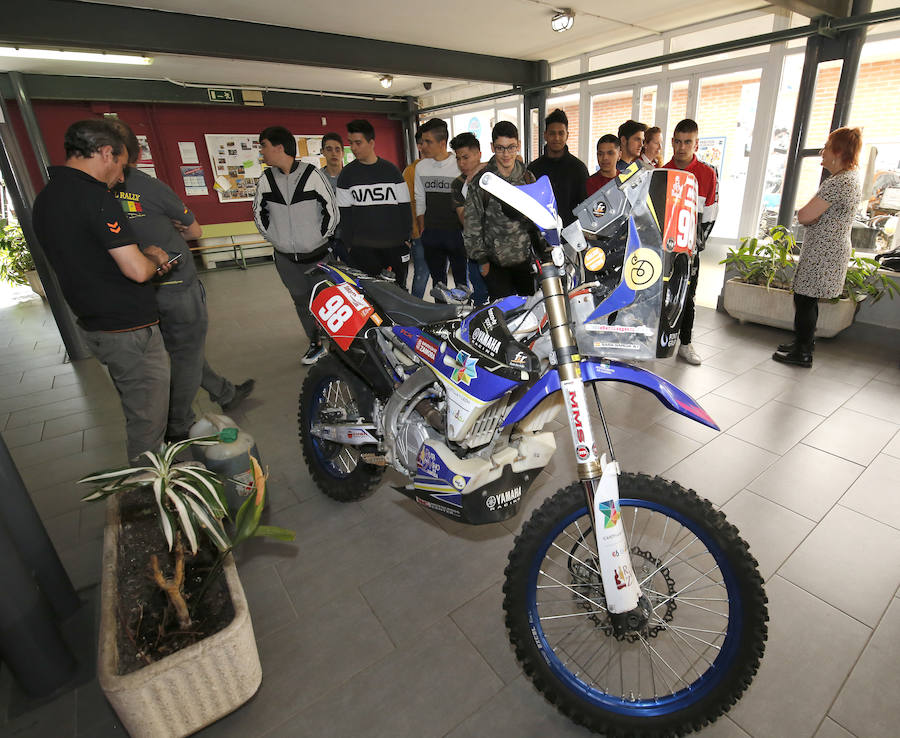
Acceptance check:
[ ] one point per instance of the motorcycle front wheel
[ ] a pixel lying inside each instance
(703, 642)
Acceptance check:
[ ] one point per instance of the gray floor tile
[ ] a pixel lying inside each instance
(738, 359)
(776, 427)
(303, 662)
(49, 451)
(83, 421)
(93, 712)
(29, 386)
(806, 637)
(418, 592)
(54, 719)
(772, 531)
(860, 584)
(63, 530)
(695, 380)
(397, 698)
(755, 387)
(817, 394)
(852, 435)
(879, 399)
(893, 447)
(857, 372)
(807, 481)
(23, 436)
(867, 705)
(270, 606)
(874, 494)
(520, 710)
(830, 729)
(889, 374)
(721, 468)
(654, 450)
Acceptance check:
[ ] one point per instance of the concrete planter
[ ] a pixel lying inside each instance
(775, 307)
(34, 281)
(190, 689)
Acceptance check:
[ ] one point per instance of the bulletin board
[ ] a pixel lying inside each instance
(237, 163)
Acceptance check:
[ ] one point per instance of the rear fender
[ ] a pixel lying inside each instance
(597, 370)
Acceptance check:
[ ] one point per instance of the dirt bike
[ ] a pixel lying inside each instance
(632, 604)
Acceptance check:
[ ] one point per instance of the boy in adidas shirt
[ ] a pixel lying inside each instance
(374, 203)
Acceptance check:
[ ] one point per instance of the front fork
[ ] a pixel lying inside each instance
(629, 610)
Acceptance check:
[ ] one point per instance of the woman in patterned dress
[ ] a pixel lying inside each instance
(825, 252)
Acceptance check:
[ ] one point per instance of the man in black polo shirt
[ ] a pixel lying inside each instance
(105, 276)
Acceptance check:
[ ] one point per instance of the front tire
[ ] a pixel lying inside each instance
(332, 393)
(703, 643)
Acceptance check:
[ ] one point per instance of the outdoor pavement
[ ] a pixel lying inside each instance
(384, 619)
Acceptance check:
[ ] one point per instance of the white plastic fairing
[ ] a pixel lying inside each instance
(521, 201)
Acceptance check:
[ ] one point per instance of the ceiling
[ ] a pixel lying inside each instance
(506, 28)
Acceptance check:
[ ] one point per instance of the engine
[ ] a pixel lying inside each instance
(412, 416)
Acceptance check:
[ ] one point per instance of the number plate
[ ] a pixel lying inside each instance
(681, 212)
(342, 312)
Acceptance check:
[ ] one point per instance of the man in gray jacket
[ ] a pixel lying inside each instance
(295, 210)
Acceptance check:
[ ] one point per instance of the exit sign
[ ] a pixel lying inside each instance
(220, 95)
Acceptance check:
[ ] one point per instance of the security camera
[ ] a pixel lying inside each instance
(426, 85)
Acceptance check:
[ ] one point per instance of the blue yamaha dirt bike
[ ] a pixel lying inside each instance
(631, 603)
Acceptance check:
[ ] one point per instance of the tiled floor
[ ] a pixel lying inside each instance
(384, 620)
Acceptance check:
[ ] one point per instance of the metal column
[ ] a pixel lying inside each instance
(535, 100)
(31, 124)
(21, 192)
(853, 41)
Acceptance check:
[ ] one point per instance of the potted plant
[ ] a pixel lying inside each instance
(177, 650)
(761, 293)
(16, 264)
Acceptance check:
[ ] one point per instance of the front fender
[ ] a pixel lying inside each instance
(597, 370)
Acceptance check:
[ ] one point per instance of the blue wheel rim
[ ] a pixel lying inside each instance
(656, 706)
(324, 450)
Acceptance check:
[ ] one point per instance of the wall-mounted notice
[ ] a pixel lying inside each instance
(188, 151)
(194, 181)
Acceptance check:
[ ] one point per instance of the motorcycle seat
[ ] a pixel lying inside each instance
(404, 309)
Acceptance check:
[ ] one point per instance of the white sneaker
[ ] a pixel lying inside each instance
(315, 352)
(686, 352)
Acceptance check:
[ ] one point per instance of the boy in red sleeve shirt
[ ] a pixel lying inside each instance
(607, 155)
(684, 144)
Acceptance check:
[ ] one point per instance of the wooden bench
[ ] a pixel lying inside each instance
(231, 242)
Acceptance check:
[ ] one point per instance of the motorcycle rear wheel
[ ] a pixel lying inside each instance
(332, 392)
(704, 641)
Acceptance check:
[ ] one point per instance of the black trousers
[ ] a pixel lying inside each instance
(510, 280)
(373, 261)
(687, 320)
(442, 245)
(806, 314)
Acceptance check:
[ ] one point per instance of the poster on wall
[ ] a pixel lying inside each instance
(237, 162)
(711, 150)
(194, 181)
(145, 157)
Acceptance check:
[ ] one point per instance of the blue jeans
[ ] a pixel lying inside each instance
(420, 269)
(479, 288)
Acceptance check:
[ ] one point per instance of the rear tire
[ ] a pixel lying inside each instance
(704, 641)
(332, 392)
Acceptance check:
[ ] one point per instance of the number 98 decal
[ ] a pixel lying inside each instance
(342, 311)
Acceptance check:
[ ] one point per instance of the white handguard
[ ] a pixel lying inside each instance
(521, 201)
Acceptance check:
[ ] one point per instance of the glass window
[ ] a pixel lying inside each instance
(678, 99)
(726, 111)
(479, 122)
(608, 112)
(565, 69)
(823, 103)
(648, 106)
(569, 105)
(626, 55)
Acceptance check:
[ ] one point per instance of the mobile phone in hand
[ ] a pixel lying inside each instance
(174, 259)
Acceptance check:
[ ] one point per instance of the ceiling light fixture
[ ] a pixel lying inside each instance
(562, 20)
(82, 56)
(386, 80)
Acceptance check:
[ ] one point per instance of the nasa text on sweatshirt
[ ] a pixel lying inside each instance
(374, 204)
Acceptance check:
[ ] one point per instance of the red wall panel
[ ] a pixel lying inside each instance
(166, 125)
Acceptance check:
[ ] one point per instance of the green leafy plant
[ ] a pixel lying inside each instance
(190, 500)
(15, 258)
(770, 262)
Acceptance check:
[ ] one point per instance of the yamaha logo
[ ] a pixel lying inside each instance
(504, 499)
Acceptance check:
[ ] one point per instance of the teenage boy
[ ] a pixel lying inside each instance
(631, 141)
(500, 243)
(567, 173)
(105, 277)
(608, 149)
(157, 216)
(684, 145)
(296, 211)
(435, 215)
(420, 266)
(374, 204)
(468, 158)
(333, 151)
